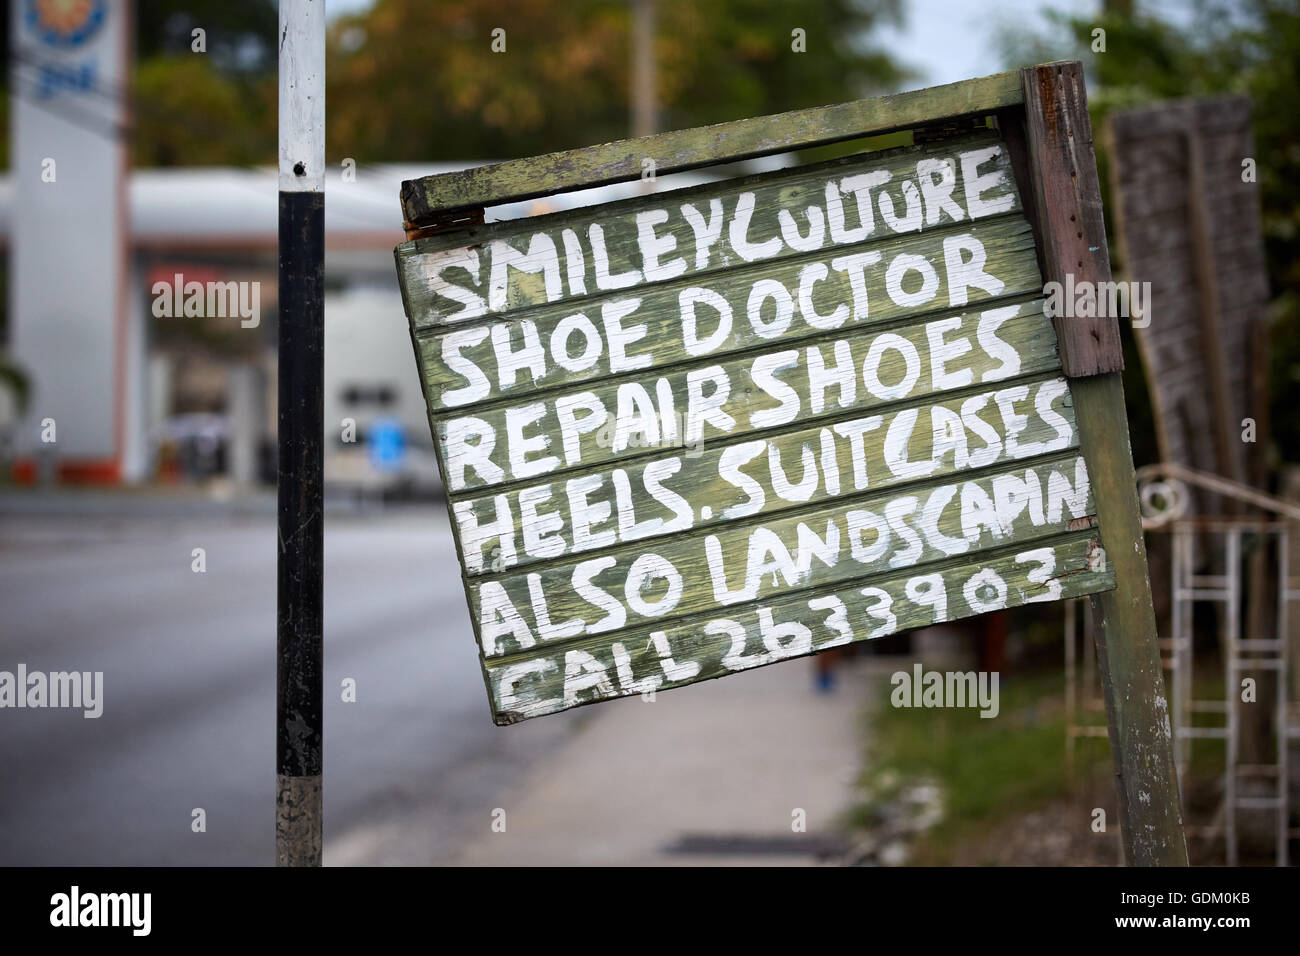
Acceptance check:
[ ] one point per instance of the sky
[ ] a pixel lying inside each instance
(944, 41)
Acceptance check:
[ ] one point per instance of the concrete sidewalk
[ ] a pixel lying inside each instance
(712, 773)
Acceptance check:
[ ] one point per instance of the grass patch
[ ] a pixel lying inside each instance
(988, 769)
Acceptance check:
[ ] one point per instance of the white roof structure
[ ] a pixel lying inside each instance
(236, 207)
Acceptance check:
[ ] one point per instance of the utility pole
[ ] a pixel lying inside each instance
(644, 102)
(300, 583)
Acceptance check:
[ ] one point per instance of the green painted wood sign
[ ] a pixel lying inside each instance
(703, 430)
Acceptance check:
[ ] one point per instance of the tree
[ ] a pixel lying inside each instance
(414, 80)
(213, 106)
(187, 112)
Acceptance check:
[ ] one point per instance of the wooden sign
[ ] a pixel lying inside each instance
(700, 431)
(1188, 222)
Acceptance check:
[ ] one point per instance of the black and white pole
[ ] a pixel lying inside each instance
(300, 582)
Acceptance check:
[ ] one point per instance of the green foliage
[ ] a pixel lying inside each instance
(240, 36)
(987, 769)
(412, 80)
(210, 108)
(190, 113)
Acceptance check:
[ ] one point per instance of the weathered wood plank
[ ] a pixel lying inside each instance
(692, 404)
(744, 561)
(1197, 246)
(1067, 201)
(1011, 125)
(1223, 425)
(549, 678)
(708, 486)
(669, 323)
(425, 200)
(465, 274)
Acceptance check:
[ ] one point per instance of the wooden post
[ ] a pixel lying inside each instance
(1223, 428)
(645, 102)
(1067, 200)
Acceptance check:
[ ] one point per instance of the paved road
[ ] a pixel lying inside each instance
(412, 768)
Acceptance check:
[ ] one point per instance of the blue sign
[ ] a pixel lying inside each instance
(386, 439)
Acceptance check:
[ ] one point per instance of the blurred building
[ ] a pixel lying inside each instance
(198, 398)
(198, 394)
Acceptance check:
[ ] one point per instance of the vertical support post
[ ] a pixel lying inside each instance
(1071, 714)
(1232, 691)
(645, 102)
(1280, 701)
(299, 647)
(1223, 427)
(1067, 200)
(1181, 623)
